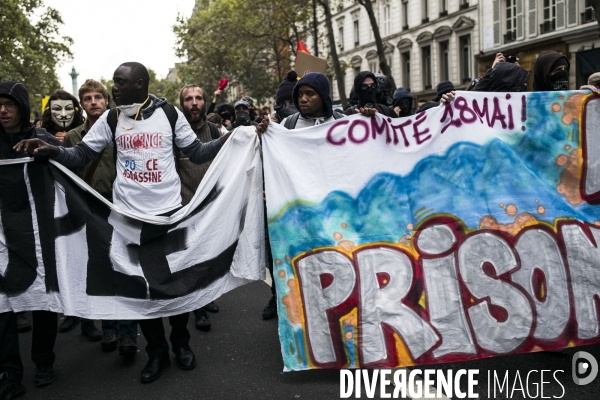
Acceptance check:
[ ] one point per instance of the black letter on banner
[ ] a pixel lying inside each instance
(17, 223)
(85, 209)
(157, 244)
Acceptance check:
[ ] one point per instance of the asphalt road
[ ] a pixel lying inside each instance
(240, 359)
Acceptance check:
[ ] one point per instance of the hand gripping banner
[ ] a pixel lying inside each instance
(64, 248)
(466, 231)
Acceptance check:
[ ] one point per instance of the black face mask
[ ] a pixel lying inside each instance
(366, 98)
(242, 118)
(226, 116)
(285, 111)
(560, 80)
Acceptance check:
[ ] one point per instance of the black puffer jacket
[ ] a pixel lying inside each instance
(506, 77)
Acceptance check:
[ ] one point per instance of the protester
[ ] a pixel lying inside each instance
(63, 114)
(442, 88)
(216, 119)
(100, 175)
(402, 102)
(15, 127)
(138, 112)
(191, 101)
(213, 103)
(365, 85)
(504, 77)
(384, 91)
(242, 115)
(227, 114)
(284, 102)
(594, 80)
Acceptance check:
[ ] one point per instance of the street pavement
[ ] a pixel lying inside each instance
(240, 358)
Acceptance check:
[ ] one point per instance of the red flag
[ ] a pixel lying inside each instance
(301, 47)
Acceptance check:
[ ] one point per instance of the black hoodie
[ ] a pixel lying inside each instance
(543, 67)
(320, 84)
(18, 93)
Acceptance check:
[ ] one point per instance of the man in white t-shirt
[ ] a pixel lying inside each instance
(146, 182)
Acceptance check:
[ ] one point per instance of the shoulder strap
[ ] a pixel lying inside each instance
(172, 116)
(214, 131)
(292, 120)
(111, 119)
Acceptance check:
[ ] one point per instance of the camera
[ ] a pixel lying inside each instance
(511, 59)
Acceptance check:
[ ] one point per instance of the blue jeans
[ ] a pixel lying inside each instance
(123, 328)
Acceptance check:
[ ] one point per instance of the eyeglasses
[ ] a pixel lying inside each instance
(366, 87)
(10, 105)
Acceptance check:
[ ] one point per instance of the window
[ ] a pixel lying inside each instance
(588, 14)
(386, 20)
(443, 8)
(444, 61)
(548, 16)
(356, 36)
(341, 38)
(511, 21)
(406, 72)
(425, 11)
(426, 52)
(405, 14)
(465, 59)
(373, 66)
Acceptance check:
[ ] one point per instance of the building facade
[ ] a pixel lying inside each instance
(524, 28)
(429, 41)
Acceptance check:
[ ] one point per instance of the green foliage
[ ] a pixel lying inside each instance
(31, 51)
(249, 42)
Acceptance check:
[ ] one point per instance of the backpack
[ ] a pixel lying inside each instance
(292, 120)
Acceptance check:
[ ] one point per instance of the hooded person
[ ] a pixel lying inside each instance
(227, 114)
(403, 102)
(284, 98)
(311, 98)
(14, 127)
(551, 72)
(14, 116)
(504, 77)
(365, 86)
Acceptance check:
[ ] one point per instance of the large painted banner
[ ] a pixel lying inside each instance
(64, 248)
(462, 232)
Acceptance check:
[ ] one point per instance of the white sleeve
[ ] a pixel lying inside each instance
(184, 134)
(100, 135)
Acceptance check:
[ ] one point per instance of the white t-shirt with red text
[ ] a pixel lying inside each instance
(147, 181)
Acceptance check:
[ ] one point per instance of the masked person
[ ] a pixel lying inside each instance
(365, 86)
(62, 114)
(227, 114)
(242, 115)
(384, 91)
(503, 77)
(402, 102)
(551, 72)
(284, 99)
(14, 127)
(137, 112)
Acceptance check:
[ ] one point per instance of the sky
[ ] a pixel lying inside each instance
(110, 32)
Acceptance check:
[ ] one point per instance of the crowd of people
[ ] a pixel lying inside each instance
(193, 136)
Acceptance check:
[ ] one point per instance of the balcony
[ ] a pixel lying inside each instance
(548, 26)
(425, 20)
(464, 6)
(405, 28)
(588, 16)
(443, 13)
(510, 37)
